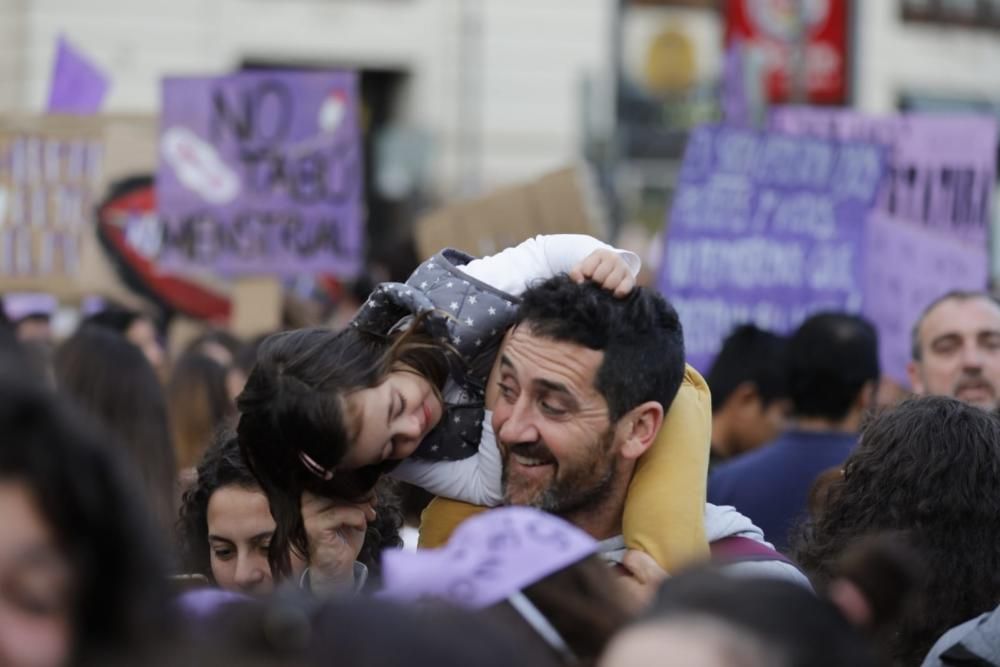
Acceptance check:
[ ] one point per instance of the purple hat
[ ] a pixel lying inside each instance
(19, 305)
(489, 558)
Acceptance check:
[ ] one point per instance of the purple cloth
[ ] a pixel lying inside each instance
(489, 557)
(18, 305)
(205, 602)
(78, 86)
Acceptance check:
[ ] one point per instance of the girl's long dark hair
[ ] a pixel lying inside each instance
(928, 470)
(293, 403)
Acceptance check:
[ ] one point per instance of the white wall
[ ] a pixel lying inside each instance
(898, 57)
(500, 102)
(12, 53)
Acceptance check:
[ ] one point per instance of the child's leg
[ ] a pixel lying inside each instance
(441, 518)
(665, 507)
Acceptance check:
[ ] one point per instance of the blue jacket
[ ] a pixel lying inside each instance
(771, 485)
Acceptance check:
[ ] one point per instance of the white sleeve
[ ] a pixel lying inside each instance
(473, 480)
(514, 269)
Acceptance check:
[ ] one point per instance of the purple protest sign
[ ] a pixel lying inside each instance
(78, 86)
(261, 173)
(928, 232)
(765, 228)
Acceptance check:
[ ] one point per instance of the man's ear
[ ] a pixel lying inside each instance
(744, 393)
(641, 426)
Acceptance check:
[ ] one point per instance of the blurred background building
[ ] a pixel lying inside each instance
(461, 97)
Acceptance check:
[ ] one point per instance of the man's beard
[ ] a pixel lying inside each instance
(575, 487)
(976, 380)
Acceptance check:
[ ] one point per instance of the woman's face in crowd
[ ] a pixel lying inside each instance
(392, 418)
(35, 585)
(240, 527)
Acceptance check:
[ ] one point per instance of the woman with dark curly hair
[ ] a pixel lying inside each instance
(226, 528)
(929, 470)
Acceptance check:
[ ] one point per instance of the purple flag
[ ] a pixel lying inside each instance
(765, 228)
(78, 87)
(261, 173)
(928, 233)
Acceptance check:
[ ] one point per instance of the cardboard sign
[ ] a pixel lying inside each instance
(50, 171)
(765, 228)
(260, 173)
(928, 233)
(563, 202)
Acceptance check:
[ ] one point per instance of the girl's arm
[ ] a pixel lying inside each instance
(473, 480)
(515, 269)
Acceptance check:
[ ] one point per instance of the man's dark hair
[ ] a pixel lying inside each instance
(749, 354)
(640, 336)
(831, 357)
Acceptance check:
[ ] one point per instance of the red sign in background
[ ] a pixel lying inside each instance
(771, 26)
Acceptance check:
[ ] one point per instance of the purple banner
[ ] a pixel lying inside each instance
(78, 87)
(765, 228)
(261, 173)
(928, 233)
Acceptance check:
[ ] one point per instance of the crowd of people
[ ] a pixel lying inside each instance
(581, 495)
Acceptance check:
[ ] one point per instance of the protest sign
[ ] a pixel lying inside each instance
(261, 173)
(928, 232)
(50, 170)
(765, 228)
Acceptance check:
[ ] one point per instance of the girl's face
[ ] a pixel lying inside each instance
(391, 419)
(35, 585)
(240, 527)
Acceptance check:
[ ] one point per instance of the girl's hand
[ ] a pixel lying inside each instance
(607, 269)
(336, 532)
(641, 578)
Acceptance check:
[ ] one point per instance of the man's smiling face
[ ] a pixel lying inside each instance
(558, 446)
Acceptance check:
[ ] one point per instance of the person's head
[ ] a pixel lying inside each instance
(80, 571)
(833, 368)
(329, 412)
(928, 469)
(956, 349)
(31, 315)
(584, 382)
(284, 631)
(138, 328)
(749, 390)
(709, 619)
(226, 527)
(112, 381)
(199, 405)
(216, 344)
